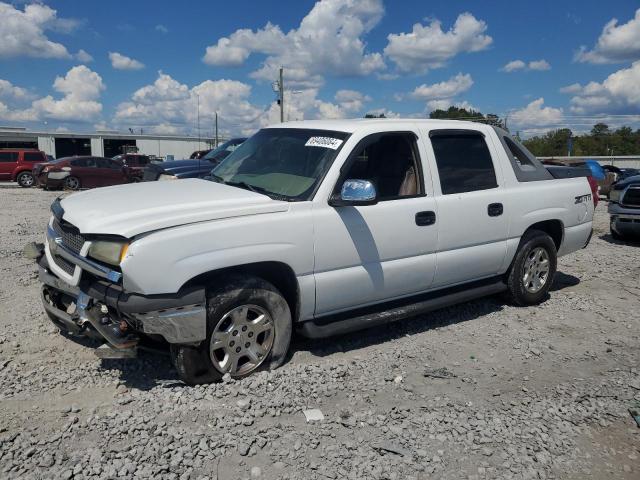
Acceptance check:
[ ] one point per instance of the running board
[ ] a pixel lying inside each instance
(341, 324)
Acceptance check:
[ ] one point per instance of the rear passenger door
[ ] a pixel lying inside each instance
(8, 162)
(472, 222)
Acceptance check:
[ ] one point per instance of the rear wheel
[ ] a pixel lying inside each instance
(248, 328)
(72, 183)
(25, 179)
(533, 268)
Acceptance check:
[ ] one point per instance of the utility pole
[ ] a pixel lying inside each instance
(198, 99)
(216, 130)
(281, 95)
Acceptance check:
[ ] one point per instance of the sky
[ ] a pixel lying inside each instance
(159, 65)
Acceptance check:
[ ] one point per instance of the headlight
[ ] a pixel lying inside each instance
(111, 252)
(167, 177)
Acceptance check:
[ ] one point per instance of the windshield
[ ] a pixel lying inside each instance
(285, 163)
(223, 150)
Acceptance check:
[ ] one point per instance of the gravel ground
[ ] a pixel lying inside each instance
(481, 390)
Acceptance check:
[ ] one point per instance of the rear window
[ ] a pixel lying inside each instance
(464, 161)
(6, 157)
(33, 157)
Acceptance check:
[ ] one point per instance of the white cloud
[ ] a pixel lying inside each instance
(539, 65)
(535, 114)
(328, 41)
(446, 103)
(443, 90)
(8, 90)
(80, 88)
(351, 100)
(122, 62)
(22, 32)
(169, 103)
(618, 93)
(161, 28)
(428, 47)
(83, 56)
(617, 43)
(515, 65)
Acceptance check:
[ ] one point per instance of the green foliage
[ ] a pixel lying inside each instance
(600, 141)
(374, 115)
(456, 113)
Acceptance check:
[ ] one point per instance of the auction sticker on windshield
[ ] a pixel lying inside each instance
(325, 142)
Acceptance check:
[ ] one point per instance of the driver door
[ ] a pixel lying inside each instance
(369, 254)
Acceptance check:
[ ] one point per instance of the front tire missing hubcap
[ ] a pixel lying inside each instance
(260, 317)
(241, 340)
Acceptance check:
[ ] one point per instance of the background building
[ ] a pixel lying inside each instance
(102, 143)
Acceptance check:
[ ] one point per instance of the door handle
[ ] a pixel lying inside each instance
(495, 209)
(425, 218)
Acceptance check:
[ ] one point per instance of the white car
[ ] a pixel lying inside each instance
(323, 227)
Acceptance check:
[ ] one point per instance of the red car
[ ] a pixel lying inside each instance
(16, 165)
(74, 173)
(135, 162)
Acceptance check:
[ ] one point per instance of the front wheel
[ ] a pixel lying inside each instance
(25, 179)
(248, 328)
(72, 183)
(533, 268)
(615, 235)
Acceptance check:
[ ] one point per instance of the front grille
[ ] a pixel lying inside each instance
(631, 197)
(68, 267)
(71, 237)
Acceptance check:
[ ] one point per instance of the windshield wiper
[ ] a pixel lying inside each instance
(256, 189)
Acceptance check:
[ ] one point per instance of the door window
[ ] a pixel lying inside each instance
(464, 161)
(8, 157)
(390, 162)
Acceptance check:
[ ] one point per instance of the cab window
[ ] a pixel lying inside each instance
(390, 162)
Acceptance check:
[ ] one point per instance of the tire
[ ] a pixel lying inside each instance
(527, 281)
(25, 179)
(72, 183)
(239, 307)
(615, 235)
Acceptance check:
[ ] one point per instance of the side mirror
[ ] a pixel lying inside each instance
(355, 192)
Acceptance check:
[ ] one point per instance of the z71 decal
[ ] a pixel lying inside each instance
(583, 198)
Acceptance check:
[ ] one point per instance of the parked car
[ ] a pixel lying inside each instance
(194, 168)
(199, 154)
(74, 173)
(561, 169)
(135, 162)
(624, 208)
(16, 165)
(322, 226)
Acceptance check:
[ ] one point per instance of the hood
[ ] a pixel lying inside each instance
(620, 184)
(136, 208)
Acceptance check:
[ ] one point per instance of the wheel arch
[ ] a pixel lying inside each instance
(554, 228)
(17, 173)
(279, 274)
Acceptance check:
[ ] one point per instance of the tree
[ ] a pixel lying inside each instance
(457, 113)
(375, 115)
(601, 140)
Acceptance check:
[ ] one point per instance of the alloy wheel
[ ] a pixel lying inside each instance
(536, 270)
(242, 340)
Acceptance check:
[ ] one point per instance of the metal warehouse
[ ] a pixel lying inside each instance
(102, 143)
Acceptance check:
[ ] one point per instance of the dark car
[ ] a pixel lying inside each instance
(199, 154)
(195, 168)
(74, 173)
(16, 165)
(135, 162)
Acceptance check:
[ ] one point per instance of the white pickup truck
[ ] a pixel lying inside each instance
(323, 227)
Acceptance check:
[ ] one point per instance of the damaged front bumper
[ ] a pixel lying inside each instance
(102, 309)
